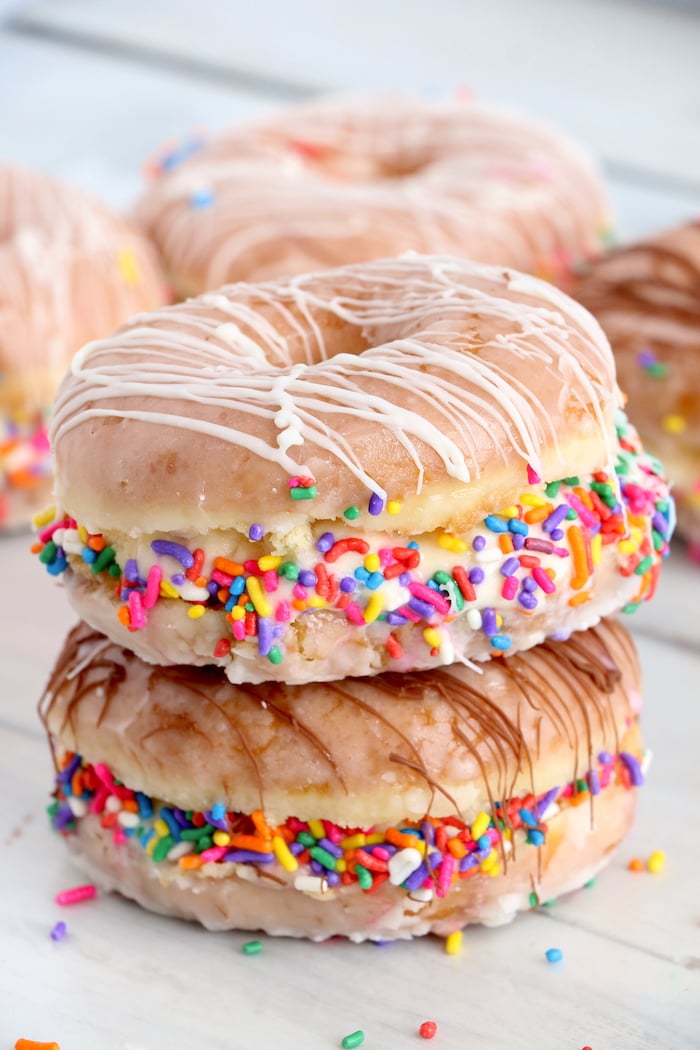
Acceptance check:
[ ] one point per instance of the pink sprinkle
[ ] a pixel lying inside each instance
(137, 618)
(409, 614)
(509, 588)
(386, 556)
(271, 581)
(155, 575)
(283, 612)
(380, 853)
(238, 628)
(104, 775)
(98, 803)
(76, 895)
(354, 613)
(222, 578)
(445, 876)
(533, 477)
(119, 835)
(427, 594)
(587, 516)
(299, 592)
(46, 534)
(543, 580)
(333, 832)
(213, 853)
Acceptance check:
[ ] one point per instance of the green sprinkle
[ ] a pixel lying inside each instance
(658, 540)
(103, 560)
(534, 900)
(658, 370)
(49, 553)
(306, 838)
(323, 857)
(52, 810)
(589, 885)
(289, 570)
(252, 947)
(581, 786)
(275, 655)
(442, 577)
(205, 842)
(572, 482)
(354, 1039)
(163, 847)
(114, 570)
(549, 904)
(300, 493)
(644, 565)
(351, 513)
(571, 515)
(630, 607)
(249, 607)
(364, 877)
(194, 834)
(552, 489)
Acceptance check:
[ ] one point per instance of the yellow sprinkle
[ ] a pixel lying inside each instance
(221, 838)
(83, 533)
(488, 862)
(196, 611)
(656, 861)
(511, 512)
(317, 829)
(499, 618)
(237, 613)
(283, 853)
(453, 943)
(372, 562)
(268, 562)
(161, 828)
(374, 839)
(167, 590)
(432, 637)
(262, 606)
(674, 424)
(480, 825)
(451, 543)
(597, 548)
(44, 517)
(529, 499)
(128, 266)
(151, 845)
(495, 869)
(317, 602)
(374, 607)
(341, 865)
(393, 506)
(353, 841)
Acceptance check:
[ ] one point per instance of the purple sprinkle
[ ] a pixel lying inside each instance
(478, 543)
(376, 504)
(605, 758)
(546, 801)
(248, 856)
(510, 566)
(317, 868)
(518, 541)
(178, 579)
(555, 518)
(348, 584)
(63, 816)
(560, 636)
(174, 550)
(295, 848)
(635, 770)
(468, 862)
(213, 588)
(67, 773)
(543, 546)
(331, 847)
(332, 878)
(416, 878)
(529, 584)
(593, 782)
(216, 822)
(277, 630)
(265, 626)
(557, 534)
(131, 570)
(396, 619)
(476, 576)
(428, 832)
(325, 542)
(527, 600)
(307, 578)
(404, 579)
(181, 818)
(256, 532)
(646, 358)
(659, 522)
(59, 931)
(422, 608)
(488, 622)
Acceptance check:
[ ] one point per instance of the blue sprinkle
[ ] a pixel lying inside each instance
(413, 545)
(202, 198)
(374, 580)
(166, 815)
(554, 955)
(484, 842)
(535, 837)
(361, 574)
(57, 567)
(237, 586)
(89, 555)
(528, 818)
(144, 804)
(494, 524)
(516, 525)
(218, 811)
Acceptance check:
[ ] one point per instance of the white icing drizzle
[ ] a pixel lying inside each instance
(429, 328)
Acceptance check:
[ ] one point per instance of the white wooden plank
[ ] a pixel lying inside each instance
(124, 979)
(620, 75)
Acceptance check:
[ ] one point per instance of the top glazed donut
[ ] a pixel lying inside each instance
(70, 271)
(344, 181)
(353, 460)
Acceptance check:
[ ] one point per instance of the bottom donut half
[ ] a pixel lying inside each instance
(370, 808)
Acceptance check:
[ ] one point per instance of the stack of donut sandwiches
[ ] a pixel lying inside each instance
(346, 541)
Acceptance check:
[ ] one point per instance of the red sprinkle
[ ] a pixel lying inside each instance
(393, 647)
(428, 1029)
(461, 578)
(196, 568)
(341, 547)
(222, 648)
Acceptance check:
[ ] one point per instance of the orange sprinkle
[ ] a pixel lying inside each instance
(300, 605)
(201, 581)
(23, 479)
(190, 860)
(580, 558)
(251, 842)
(581, 598)
(457, 848)
(96, 543)
(585, 497)
(538, 514)
(231, 568)
(123, 615)
(397, 838)
(31, 1044)
(636, 864)
(505, 542)
(260, 824)
(36, 548)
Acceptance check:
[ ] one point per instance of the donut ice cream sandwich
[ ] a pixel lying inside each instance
(70, 270)
(374, 808)
(385, 467)
(647, 298)
(349, 180)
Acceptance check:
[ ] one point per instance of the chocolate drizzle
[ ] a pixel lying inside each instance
(566, 684)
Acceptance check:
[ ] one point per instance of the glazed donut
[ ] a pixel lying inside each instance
(393, 465)
(372, 808)
(647, 298)
(70, 271)
(345, 181)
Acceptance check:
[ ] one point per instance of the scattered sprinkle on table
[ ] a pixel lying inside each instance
(31, 1044)
(427, 1030)
(354, 1039)
(252, 947)
(59, 931)
(76, 895)
(636, 864)
(453, 943)
(656, 861)
(554, 955)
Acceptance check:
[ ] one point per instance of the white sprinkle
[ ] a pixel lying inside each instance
(310, 884)
(403, 864)
(127, 819)
(180, 849)
(422, 894)
(78, 806)
(113, 804)
(474, 619)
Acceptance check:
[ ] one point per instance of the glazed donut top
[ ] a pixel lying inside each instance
(70, 271)
(647, 298)
(344, 181)
(357, 751)
(433, 381)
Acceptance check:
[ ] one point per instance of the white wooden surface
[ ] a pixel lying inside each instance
(88, 88)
